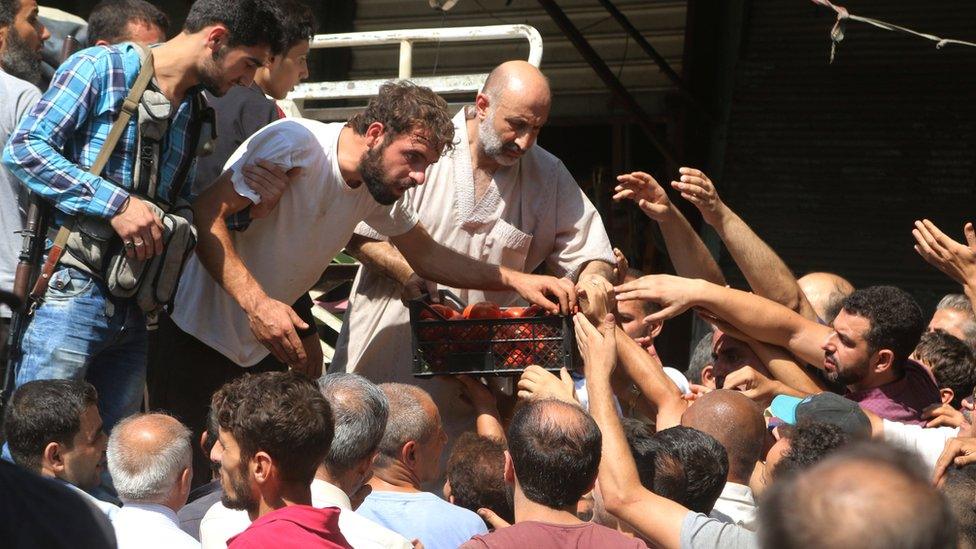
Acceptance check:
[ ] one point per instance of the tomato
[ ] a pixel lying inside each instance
(482, 309)
(446, 312)
(513, 312)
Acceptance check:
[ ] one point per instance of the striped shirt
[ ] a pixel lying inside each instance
(59, 139)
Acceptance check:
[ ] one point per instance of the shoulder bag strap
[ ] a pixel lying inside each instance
(129, 108)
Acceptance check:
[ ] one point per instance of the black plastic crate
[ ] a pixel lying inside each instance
(495, 347)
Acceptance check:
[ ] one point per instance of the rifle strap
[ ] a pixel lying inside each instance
(129, 107)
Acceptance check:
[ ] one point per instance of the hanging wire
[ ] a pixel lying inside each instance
(437, 49)
(837, 32)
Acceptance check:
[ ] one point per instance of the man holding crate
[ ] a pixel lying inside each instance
(495, 197)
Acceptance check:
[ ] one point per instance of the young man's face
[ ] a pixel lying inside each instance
(234, 474)
(846, 354)
(286, 71)
(390, 168)
(21, 43)
(229, 67)
(84, 462)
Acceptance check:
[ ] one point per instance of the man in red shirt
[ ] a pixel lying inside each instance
(275, 430)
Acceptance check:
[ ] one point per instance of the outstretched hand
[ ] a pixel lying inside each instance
(597, 346)
(644, 190)
(673, 293)
(697, 188)
(956, 260)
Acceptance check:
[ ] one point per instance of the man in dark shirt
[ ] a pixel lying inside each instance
(554, 453)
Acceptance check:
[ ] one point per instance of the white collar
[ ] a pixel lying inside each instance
(326, 494)
(154, 509)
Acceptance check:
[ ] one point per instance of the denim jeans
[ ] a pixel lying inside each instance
(81, 332)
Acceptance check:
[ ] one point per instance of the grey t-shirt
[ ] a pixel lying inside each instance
(18, 96)
(699, 531)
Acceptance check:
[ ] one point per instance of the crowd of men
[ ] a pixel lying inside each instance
(812, 414)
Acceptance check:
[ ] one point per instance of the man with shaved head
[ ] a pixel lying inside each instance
(826, 292)
(497, 196)
(736, 422)
(150, 458)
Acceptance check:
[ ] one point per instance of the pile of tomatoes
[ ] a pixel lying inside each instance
(518, 344)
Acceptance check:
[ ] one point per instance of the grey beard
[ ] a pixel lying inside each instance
(20, 61)
(491, 143)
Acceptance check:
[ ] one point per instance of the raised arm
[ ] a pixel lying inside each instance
(765, 271)
(688, 253)
(436, 262)
(272, 322)
(956, 260)
(753, 315)
(657, 518)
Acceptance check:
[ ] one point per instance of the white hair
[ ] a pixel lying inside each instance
(148, 476)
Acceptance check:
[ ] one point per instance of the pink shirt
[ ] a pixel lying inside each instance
(294, 526)
(902, 400)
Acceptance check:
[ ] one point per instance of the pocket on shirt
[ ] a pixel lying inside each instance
(507, 246)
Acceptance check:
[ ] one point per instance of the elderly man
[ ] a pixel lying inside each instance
(149, 457)
(954, 315)
(496, 197)
(410, 455)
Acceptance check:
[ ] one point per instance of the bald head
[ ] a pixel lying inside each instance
(517, 80)
(736, 422)
(825, 292)
(866, 495)
(148, 455)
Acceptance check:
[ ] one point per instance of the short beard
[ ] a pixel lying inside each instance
(210, 75)
(242, 499)
(371, 171)
(19, 60)
(848, 376)
(491, 142)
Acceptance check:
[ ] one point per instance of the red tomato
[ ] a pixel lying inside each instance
(446, 312)
(482, 309)
(513, 312)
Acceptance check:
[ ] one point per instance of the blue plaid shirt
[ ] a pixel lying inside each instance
(58, 140)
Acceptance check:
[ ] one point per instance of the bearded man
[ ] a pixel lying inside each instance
(495, 197)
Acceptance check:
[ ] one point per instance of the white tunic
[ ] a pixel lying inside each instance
(287, 251)
(150, 526)
(532, 213)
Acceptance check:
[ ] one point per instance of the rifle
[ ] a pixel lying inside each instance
(31, 254)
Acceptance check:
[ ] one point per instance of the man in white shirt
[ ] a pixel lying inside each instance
(360, 411)
(150, 459)
(53, 429)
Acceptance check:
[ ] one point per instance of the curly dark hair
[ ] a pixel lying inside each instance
(476, 471)
(810, 442)
(896, 320)
(281, 413)
(951, 361)
(403, 107)
(249, 22)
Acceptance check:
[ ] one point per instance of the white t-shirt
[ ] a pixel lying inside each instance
(927, 443)
(287, 251)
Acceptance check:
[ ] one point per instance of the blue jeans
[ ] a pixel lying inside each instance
(81, 332)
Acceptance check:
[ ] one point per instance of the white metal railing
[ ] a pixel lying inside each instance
(406, 38)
